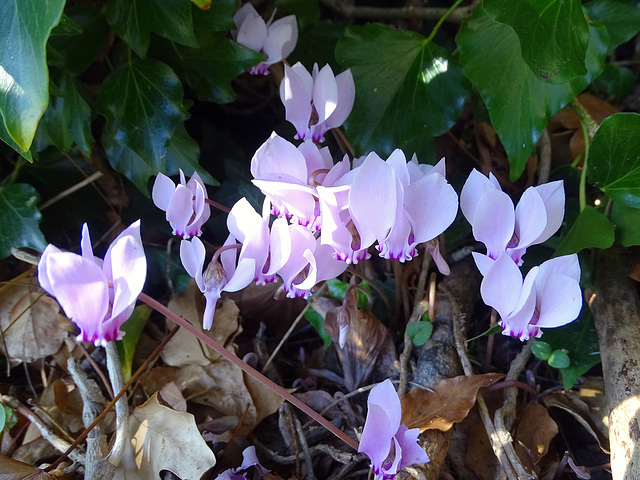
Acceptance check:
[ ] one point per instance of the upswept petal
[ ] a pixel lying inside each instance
(531, 219)
(346, 97)
(552, 195)
(339, 174)
(279, 157)
(302, 239)
(494, 220)
(291, 199)
(502, 285)
(385, 396)
(282, 36)
(163, 188)
(483, 262)
(192, 254)
(316, 159)
(516, 324)
(327, 265)
(398, 162)
(376, 436)
(86, 248)
(565, 265)
(296, 93)
(560, 301)
(252, 32)
(279, 246)
(325, 93)
(412, 452)
(180, 210)
(433, 248)
(471, 193)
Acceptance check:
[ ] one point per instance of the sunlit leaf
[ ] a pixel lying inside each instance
(25, 27)
(559, 359)
(405, 87)
(542, 350)
(11, 469)
(614, 158)
(592, 229)
(19, 218)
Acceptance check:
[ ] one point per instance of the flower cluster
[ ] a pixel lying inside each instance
(98, 296)
(550, 295)
(389, 445)
(275, 39)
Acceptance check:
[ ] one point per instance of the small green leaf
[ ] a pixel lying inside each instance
(419, 332)
(559, 359)
(553, 52)
(542, 350)
(591, 229)
(142, 101)
(337, 289)
(614, 159)
(405, 87)
(627, 221)
(519, 102)
(134, 20)
(11, 419)
(19, 218)
(132, 329)
(3, 417)
(315, 319)
(25, 27)
(621, 19)
(497, 328)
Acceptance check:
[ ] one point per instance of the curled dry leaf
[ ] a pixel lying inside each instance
(11, 469)
(533, 434)
(184, 348)
(449, 403)
(163, 439)
(30, 323)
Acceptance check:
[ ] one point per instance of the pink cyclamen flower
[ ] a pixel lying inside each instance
(98, 296)
(315, 103)
(389, 445)
(249, 461)
(548, 297)
(275, 39)
(401, 205)
(505, 228)
(185, 203)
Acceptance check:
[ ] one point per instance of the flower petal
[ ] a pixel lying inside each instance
(163, 188)
(412, 452)
(192, 254)
(552, 195)
(531, 218)
(296, 93)
(494, 220)
(282, 36)
(180, 210)
(346, 97)
(325, 93)
(502, 285)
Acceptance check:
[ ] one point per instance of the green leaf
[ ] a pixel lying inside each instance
(142, 101)
(627, 221)
(315, 319)
(616, 82)
(218, 18)
(559, 359)
(405, 87)
(541, 350)
(621, 19)
(419, 332)
(202, 4)
(132, 329)
(134, 20)
(10, 418)
(68, 118)
(3, 417)
(553, 52)
(581, 340)
(25, 27)
(307, 12)
(592, 229)
(19, 218)
(496, 328)
(210, 69)
(338, 289)
(614, 159)
(75, 49)
(519, 102)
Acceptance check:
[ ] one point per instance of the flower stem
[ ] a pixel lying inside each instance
(249, 370)
(219, 206)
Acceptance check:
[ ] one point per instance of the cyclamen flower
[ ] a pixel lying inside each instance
(249, 460)
(390, 445)
(98, 296)
(550, 295)
(315, 103)
(275, 39)
(503, 228)
(185, 204)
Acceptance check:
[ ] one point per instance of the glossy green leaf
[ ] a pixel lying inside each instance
(627, 221)
(135, 20)
(19, 218)
(592, 229)
(580, 339)
(210, 69)
(493, 330)
(25, 27)
(620, 17)
(419, 332)
(142, 101)
(218, 18)
(519, 102)
(338, 289)
(67, 120)
(553, 52)
(559, 359)
(541, 350)
(614, 158)
(315, 319)
(3, 417)
(405, 87)
(616, 82)
(132, 329)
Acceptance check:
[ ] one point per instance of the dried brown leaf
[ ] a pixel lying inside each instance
(448, 404)
(163, 439)
(30, 323)
(533, 434)
(11, 469)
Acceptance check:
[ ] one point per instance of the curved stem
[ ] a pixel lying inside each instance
(219, 206)
(249, 370)
(441, 21)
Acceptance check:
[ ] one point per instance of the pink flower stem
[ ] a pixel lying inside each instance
(219, 206)
(249, 370)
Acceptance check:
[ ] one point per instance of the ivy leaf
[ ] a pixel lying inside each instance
(553, 52)
(405, 87)
(519, 102)
(614, 159)
(592, 229)
(218, 18)
(627, 222)
(315, 319)
(134, 20)
(68, 118)
(25, 27)
(621, 19)
(19, 217)
(142, 101)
